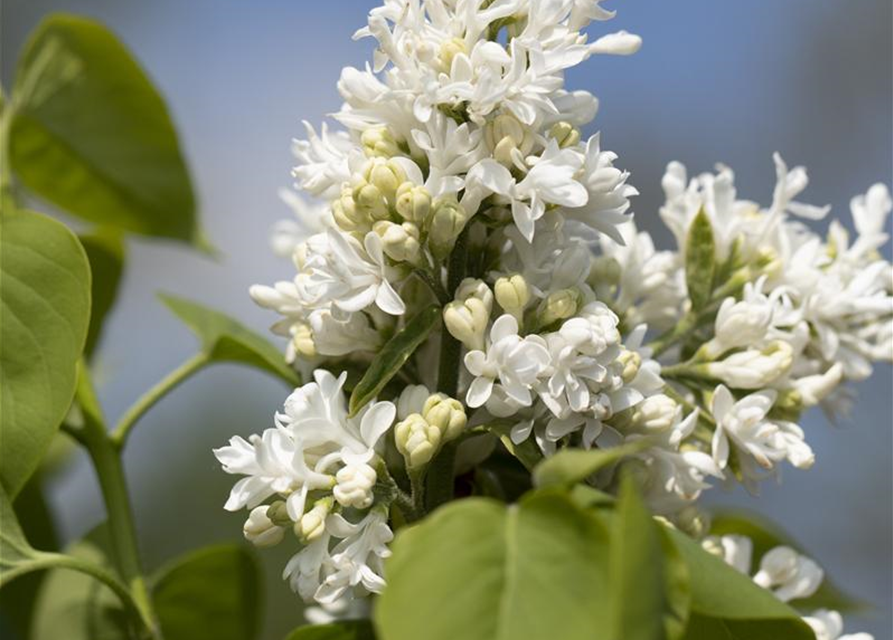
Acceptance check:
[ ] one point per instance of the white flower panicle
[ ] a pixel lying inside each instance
(461, 178)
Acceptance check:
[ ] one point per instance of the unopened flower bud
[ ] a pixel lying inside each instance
(631, 361)
(400, 242)
(565, 134)
(277, 512)
(370, 203)
(655, 413)
(813, 389)
(449, 50)
(504, 134)
(387, 176)
(260, 531)
(346, 214)
(414, 204)
(560, 305)
(354, 485)
(378, 142)
(512, 294)
(302, 339)
(417, 441)
(754, 369)
(447, 223)
(475, 288)
(313, 523)
(445, 413)
(467, 321)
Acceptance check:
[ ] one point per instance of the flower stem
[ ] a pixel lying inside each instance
(106, 457)
(153, 395)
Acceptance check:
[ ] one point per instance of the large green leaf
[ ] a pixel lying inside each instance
(479, 570)
(765, 537)
(92, 135)
(74, 606)
(737, 604)
(637, 575)
(212, 593)
(570, 466)
(226, 340)
(105, 251)
(700, 261)
(45, 306)
(349, 630)
(393, 356)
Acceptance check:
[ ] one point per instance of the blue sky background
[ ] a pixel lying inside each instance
(727, 81)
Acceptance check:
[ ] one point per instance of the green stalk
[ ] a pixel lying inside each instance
(170, 382)
(106, 459)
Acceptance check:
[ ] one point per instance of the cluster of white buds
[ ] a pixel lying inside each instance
(421, 435)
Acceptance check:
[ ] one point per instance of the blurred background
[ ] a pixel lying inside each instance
(714, 82)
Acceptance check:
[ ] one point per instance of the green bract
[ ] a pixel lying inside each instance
(700, 261)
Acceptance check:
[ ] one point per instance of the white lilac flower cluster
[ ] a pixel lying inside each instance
(788, 575)
(461, 179)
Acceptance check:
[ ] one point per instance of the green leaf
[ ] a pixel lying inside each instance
(637, 575)
(677, 588)
(92, 135)
(700, 261)
(74, 606)
(45, 305)
(706, 628)
(348, 630)
(226, 340)
(527, 452)
(211, 593)
(393, 356)
(765, 537)
(478, 570)
(719, 591)
(105, 251)
(570, 466)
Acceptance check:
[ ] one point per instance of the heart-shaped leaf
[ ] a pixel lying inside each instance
(91, 134)
(211, 593)
(570, 466)
(45, 300)
(479, 570)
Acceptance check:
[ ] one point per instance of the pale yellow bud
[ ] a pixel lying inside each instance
(313, 523)
(467, 321)
(504, 134)
(302, 339)
(655, 413)
(445, 413)
(370, 202)
(378, 142)
(414, 204)
(260, 531)
(417, 441)
(512, 294)
(475, 288)
(565, 134)
(447, 223)
(400, 242)
(386, 175)
(449, 49)
(346, 214)
(631, 362)
(560, 305)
